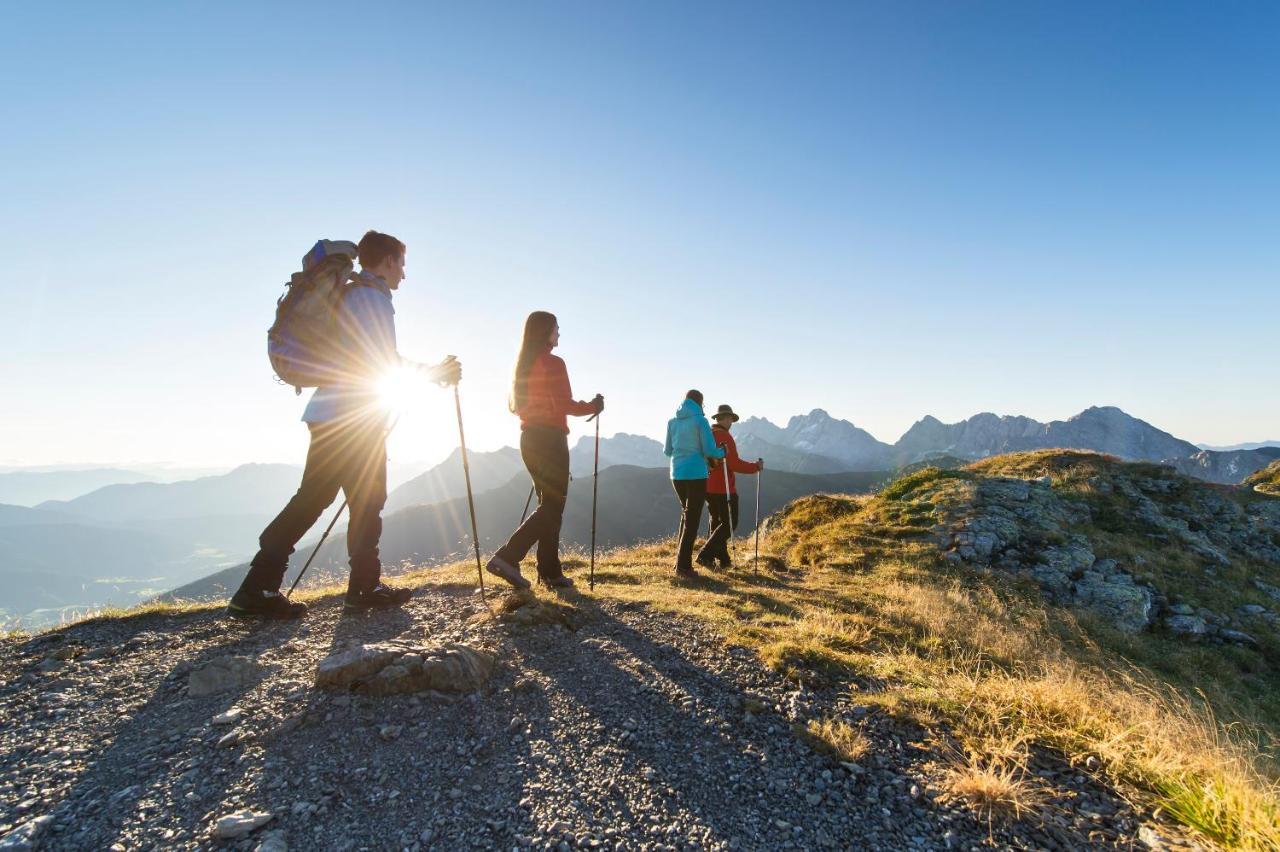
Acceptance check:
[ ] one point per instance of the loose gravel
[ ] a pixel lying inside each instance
(637, 730)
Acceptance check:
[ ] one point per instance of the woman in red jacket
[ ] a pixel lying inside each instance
(541, 396)
(723, 506)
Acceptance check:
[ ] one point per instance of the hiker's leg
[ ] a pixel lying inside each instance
(365, 484)
(679, 485)
(733, 511)
(321, 478)
(533, 450)
(553, 493)
(693, 493)
(715, 546)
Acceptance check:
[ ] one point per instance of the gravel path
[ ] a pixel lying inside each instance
(632, 732)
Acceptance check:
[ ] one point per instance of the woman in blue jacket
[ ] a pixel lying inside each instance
(689, 445)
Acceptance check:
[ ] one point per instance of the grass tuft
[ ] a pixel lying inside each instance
(996, 789)
(836, 738)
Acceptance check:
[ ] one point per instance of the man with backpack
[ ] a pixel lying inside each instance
(348, 423)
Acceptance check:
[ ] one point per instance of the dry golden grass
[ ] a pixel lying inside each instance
(996, 788)
(837, 738)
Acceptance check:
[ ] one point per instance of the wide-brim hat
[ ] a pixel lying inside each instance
(724, 410)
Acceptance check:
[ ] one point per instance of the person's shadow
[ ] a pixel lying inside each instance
(146, 727)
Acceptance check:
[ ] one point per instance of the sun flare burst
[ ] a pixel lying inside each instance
(400, 390)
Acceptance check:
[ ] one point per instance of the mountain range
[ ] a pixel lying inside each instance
(1102, 429)
(29, 487)
(148, 535)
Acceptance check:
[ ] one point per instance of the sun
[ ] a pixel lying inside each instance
(400, 389)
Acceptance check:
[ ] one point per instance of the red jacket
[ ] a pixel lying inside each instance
(715, 479)
(548, 397)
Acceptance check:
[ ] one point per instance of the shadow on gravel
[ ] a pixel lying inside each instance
(123, 782)
(368, 627)
(664, 722)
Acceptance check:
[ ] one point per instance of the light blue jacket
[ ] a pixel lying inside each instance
(690, 442)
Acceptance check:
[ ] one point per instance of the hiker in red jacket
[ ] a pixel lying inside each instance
(541, 396)
(724, 507)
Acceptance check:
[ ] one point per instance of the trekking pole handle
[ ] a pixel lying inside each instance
(444, 383)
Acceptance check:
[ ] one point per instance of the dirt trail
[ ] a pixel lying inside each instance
(633, 731)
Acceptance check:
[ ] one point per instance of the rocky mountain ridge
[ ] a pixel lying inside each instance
(1134, 545)
(1104, 429)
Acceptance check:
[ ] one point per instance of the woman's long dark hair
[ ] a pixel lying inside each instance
(537, 334)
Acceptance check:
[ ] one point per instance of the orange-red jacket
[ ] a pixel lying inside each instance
(715, 479)
(549, 399)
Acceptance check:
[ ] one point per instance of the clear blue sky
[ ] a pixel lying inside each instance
(886, 210)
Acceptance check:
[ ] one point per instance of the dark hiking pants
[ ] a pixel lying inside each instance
(342, 456)
(724, 517)
(545, 452)
(691, 493)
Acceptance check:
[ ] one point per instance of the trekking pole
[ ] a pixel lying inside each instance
(755, 562)
(329, 529)
(527, 501)
(728, 511)
(595, 490)
(471, 502)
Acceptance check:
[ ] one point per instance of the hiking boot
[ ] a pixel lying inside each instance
(500, 567)
(270, 606)
(556, 581)
(706, 560)
(726, 564)
(380, 596)
(687, 573)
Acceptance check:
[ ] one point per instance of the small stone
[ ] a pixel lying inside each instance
(221, 675)
(1191, 626)
(273, 841)
(1238, 637)
(228, 718)
(240, 823)
(390, 732)
(25, 836)
(813, 798)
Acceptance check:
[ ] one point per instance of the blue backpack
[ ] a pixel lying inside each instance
(303, 342)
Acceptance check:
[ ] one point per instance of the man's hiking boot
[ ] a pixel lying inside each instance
(500, 567)
(706, 560)
(270, 606)
(556, 581)
(380, 596)
(686, 573)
